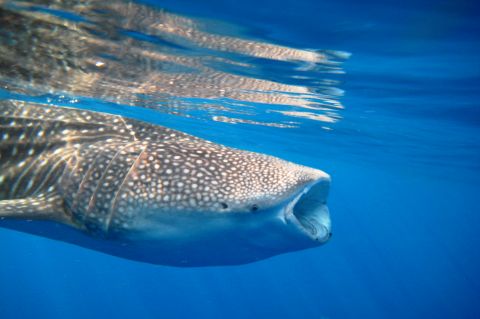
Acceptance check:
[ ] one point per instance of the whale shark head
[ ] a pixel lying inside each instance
(230, 207)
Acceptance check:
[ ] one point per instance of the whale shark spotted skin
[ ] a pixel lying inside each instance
(150, 193)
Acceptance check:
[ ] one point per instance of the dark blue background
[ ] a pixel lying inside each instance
(405, 163)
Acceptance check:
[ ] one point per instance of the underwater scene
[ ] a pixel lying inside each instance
(239, 159)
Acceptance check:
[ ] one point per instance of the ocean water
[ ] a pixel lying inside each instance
(381, 95)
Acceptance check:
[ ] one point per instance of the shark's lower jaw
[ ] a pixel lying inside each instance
(309, 213)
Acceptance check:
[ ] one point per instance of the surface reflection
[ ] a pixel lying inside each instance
(138, 55)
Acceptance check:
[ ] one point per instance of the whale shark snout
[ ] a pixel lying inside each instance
(309, 211)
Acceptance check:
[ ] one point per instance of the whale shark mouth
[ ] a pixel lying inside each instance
(309, 211)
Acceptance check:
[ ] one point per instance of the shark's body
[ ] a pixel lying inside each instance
(150, 193)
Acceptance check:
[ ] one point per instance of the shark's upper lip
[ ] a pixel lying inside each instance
(309, 213)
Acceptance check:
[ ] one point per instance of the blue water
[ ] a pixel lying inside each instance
(403, 153)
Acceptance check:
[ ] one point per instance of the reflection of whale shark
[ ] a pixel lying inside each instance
(139, 55)
(150, 193)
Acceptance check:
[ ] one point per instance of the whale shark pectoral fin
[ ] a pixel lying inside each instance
(40, 207)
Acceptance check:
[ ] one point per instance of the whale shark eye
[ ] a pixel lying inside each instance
(254, 208)
(224, 205)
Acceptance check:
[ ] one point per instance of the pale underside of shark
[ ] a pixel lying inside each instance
(150, 193)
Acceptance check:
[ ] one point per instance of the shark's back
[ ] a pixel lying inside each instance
(85, 157)
(91, 161)
(36, 143)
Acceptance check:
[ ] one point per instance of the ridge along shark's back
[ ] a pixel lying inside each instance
(150, 193)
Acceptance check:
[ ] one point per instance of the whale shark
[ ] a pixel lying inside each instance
(150, 193)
